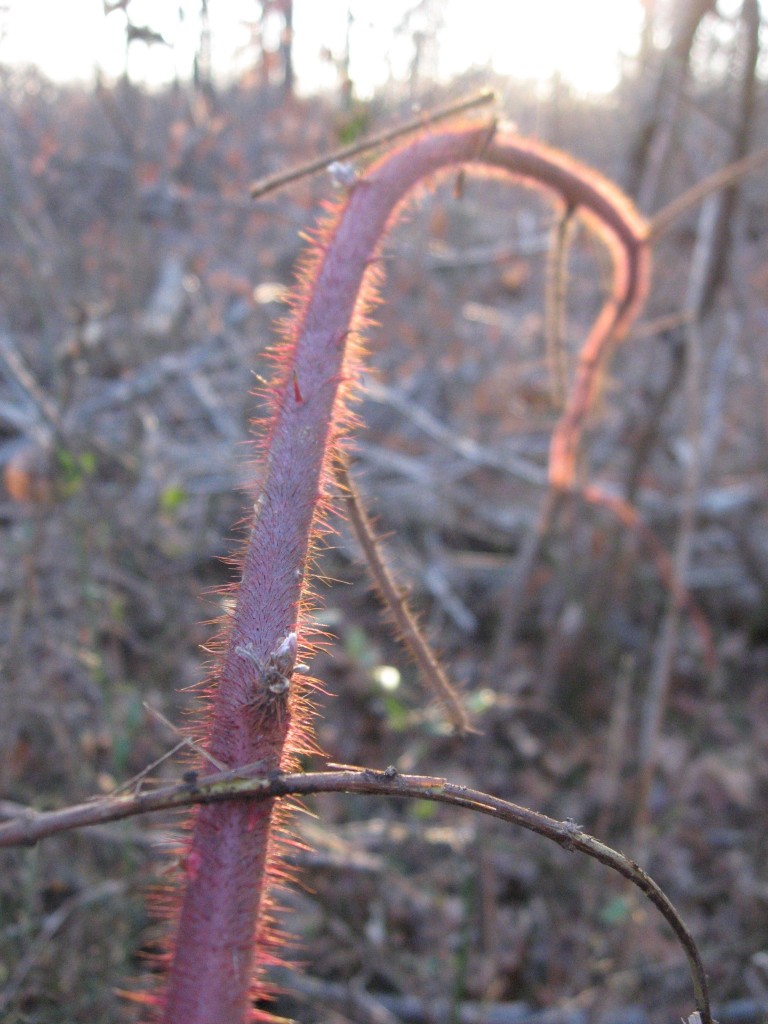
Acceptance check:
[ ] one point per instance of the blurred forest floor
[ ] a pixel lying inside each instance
(140, 289)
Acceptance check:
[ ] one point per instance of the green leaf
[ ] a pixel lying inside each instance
(422, 810)
(74, 467)
(616, 911)
(172, 498)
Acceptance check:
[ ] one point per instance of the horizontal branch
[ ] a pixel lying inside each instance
(31, 826)
(263, 185)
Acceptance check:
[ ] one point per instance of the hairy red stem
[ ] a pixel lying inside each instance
(254, 717)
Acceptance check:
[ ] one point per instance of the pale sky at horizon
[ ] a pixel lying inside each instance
(582, 39)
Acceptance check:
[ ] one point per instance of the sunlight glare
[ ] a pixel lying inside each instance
(533, 40)
(579, 40)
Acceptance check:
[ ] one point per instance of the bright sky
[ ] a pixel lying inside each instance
(528, 39)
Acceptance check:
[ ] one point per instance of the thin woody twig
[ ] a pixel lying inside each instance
(187, 741)
(658, 690)
(32, 826)
(407, 626)
(15, 366)
(136, 780)
(666, 567)
(659, 324)
(661, 221)
(264, 185)
(557, 283)
(467, 447)
(514, 595)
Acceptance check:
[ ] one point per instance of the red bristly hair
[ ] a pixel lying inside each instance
(259, 712)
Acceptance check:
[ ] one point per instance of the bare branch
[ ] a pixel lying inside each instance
(557, 284)
(264, 185)
(661, 221)
(32, 826)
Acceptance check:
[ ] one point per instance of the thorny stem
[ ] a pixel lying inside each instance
(220, 936)
(247, 786)
(228, 863)
(564, 449)
(405, 622)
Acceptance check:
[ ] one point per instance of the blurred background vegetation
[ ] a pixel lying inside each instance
(139, 290)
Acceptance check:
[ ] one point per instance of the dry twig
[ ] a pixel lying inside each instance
(265, 185)
(246, 782)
